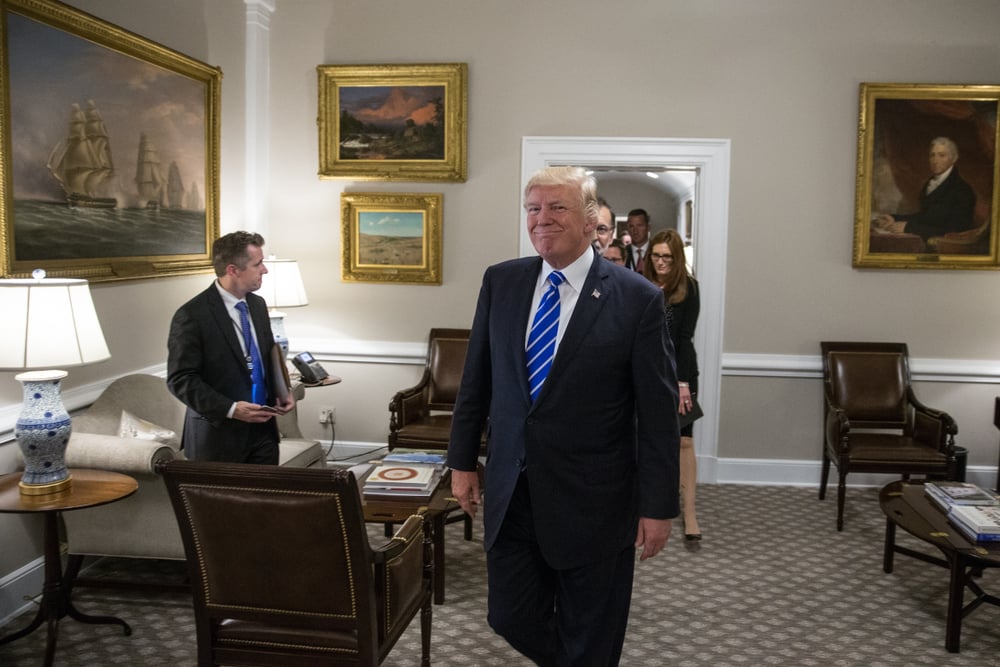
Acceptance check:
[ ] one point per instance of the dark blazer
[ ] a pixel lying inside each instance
(683, 319)
(949, 208)
(207, 370)
(600, 445)
(630, 255)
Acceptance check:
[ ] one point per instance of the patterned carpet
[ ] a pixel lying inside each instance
(772, 583)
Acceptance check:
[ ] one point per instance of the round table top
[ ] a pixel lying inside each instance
(87, 489)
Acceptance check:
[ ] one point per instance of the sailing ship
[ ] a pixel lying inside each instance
(175, 187)
(193, 198)
(148, 177)
(82, 162)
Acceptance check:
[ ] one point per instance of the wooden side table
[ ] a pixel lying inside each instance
(88, 489)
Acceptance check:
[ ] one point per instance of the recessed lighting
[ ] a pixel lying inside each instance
(652, 174)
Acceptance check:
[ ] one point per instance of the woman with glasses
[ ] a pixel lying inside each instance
(666, 267)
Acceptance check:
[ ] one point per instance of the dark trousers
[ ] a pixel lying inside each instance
(557, 618)
(240, 442)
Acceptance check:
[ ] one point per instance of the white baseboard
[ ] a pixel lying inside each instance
(18, 587)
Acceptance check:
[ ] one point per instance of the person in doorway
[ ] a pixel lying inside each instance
(638, 229)
(668, 270)
(582, 468)
(218, 355)
(604, 233)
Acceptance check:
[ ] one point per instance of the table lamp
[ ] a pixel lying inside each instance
(282, 287)
(47, 322)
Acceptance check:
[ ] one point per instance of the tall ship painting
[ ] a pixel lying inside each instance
(149, 179)
(82, 161)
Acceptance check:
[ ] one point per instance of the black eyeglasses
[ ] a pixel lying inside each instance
(655, 256)
(616, 260)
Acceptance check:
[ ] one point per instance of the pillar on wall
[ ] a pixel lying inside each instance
(258, 125)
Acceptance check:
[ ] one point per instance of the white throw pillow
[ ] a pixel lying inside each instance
(131, 426)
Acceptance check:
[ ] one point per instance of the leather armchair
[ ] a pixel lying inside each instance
(873, 421)
(282, 570)
(143, 525)
(419, 417)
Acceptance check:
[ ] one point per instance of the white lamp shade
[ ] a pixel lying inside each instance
(49, 323)
(282, 285)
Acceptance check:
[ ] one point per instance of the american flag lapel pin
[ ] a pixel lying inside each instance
(596, 294)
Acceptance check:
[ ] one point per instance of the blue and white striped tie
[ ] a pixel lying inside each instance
(542, 337)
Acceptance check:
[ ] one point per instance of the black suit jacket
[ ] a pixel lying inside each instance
(949, 208)
(207, 371)
(600, 445)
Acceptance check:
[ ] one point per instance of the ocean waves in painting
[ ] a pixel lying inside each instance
(52, 231)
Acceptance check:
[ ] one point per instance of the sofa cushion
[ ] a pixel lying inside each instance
(130, 426)
(300, 453)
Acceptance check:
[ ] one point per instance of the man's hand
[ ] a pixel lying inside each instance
(285, 406)
(652, 535)
(253, 413)
(465, 488)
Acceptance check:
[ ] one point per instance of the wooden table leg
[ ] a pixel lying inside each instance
(437, 525)
(956, 599)
(889, 549)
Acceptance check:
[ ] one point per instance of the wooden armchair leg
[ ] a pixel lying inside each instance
(824, 475)
(841, 497)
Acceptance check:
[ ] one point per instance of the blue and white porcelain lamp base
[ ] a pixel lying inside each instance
(42, 433)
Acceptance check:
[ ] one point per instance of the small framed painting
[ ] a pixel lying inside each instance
(391, 238)
(109, 149)
(926, 185)
(393, 122)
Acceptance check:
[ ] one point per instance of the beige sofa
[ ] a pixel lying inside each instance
(143, 525)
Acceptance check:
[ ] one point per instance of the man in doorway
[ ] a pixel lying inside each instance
(584, 448)
(638, 229)
(604, 233)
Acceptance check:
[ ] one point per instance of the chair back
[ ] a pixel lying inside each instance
(446, 350)
(275, 553)
(870, 381)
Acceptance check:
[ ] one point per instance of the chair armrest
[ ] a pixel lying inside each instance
(409, 404)
(837, 427)
(409, 534)
(109, 452)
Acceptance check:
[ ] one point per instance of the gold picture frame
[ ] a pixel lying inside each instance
(393, 122)
(391, 237)
(81, 192)
(916, 205)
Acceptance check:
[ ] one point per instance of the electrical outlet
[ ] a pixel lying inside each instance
(326, 415)
(332, 416)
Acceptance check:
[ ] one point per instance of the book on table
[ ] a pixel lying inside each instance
(403, 479)
(969, 532)
(982, 519)
(950, 494)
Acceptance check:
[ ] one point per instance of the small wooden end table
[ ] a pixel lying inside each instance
(396, 509)
(906, 505)
(89, 488)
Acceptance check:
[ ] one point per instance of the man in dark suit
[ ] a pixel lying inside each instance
(947, 201)
(580, 476)
(638, 230)
(210, 366)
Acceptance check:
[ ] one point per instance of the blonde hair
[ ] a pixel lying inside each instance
(573, 176)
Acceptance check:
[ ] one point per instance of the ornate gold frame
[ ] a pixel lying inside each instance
(334, 79)
(119, 52)
(909, 117)
(361, 256)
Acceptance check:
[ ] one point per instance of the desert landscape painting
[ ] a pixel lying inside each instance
(391, 238)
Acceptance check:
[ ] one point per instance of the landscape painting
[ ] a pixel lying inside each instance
(393, 122)
(393, 238)
(112, 149)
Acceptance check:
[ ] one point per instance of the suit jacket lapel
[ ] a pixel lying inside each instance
(225, 324)
(522, 292)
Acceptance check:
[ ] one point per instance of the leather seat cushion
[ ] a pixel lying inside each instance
(883, 448)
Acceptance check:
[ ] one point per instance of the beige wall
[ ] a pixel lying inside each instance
(779, 78)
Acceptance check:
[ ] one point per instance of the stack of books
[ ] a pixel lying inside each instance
(406, 474)
(979, 523)
(974, 511)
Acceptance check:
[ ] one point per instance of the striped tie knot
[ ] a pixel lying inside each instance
(541, 348)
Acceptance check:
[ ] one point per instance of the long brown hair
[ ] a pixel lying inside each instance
(676, 284)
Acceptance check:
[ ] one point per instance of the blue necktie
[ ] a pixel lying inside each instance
(259, 395)
(542, 337)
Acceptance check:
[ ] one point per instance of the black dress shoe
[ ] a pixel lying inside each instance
(692, 537)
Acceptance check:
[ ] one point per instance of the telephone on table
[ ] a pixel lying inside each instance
(310, 369)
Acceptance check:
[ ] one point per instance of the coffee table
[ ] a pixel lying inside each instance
(396, 509)
(906, 505)
(88, 489)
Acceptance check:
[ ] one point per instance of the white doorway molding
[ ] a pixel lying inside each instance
(711, 223)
